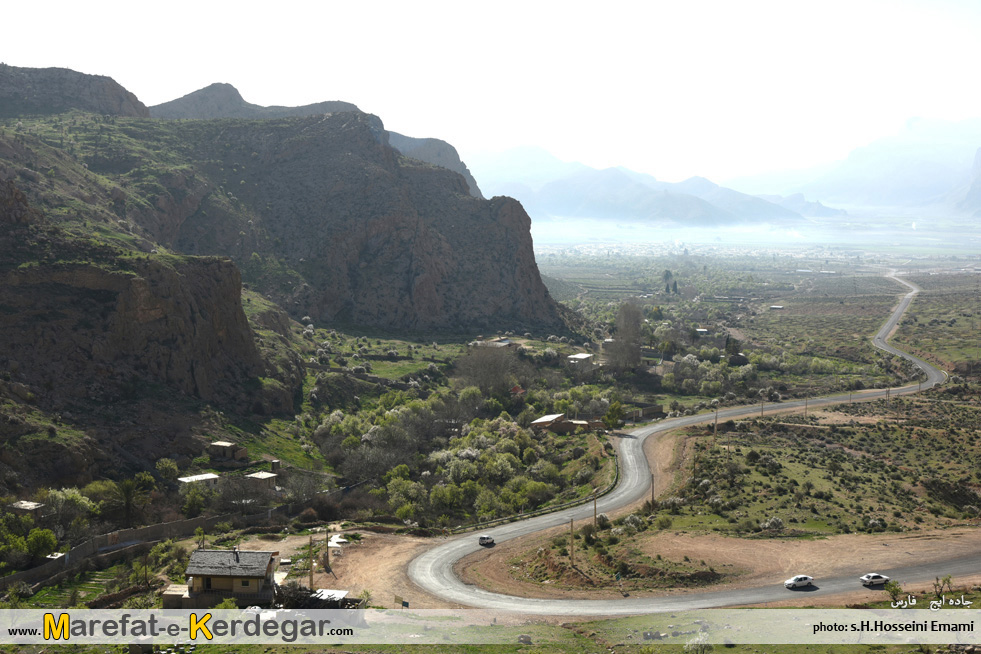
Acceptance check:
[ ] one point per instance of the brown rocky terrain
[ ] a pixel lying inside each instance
(97, 339)
(29, 91)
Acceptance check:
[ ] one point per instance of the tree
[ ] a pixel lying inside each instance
(624, 352)
(491, 369)
(40, 543)
(130, 497)
(614, 415)
(200, 537)
(894, 589)
(195, 500)
(168, 470)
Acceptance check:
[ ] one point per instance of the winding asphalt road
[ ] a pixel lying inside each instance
(433, 570)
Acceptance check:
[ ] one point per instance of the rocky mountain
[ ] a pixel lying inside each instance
(143, 264)
(46, 91)
(550, 188)
(224, 101)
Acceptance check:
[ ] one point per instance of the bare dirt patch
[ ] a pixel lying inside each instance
(377, 563)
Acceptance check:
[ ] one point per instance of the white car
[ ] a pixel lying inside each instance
(485, 540)
(873, 578)
(798, 581)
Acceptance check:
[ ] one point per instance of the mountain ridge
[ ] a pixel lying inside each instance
(220, 100)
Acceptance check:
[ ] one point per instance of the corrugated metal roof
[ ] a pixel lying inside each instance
(229, 563)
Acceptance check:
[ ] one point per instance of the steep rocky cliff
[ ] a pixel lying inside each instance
(98, 338)
(377, 239)
(27, 91)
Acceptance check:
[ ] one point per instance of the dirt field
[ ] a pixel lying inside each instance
(377, 563)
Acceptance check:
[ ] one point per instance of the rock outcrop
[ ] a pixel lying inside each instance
(180, 324)
(224, 101)
(31, 91)
(437, 153)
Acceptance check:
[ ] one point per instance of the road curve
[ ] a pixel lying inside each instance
(433, 570)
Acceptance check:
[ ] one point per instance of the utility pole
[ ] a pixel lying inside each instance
(572, 542)
(761, 406)
(652, 491)
(311, 561)
(805, 405)
(594, 509)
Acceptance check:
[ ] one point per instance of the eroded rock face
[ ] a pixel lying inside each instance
(180, 325)
(14, 208)
(27, 91)
(378, 239)
(436, 152)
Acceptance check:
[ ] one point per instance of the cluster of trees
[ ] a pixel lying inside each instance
(22, 543)
(490, 468)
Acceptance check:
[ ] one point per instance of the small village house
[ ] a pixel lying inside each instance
(228, 450)
(214, 575)
(265, 480)
(26, 507)
(557, 423)
(208, 479)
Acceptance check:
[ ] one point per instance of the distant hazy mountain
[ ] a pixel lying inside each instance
(224, 101)
(971, 200)
(797, 203)
(927, 164)
(550, 188)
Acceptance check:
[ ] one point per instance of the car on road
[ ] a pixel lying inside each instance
(798, 581)
(485, 541)
(873, 578)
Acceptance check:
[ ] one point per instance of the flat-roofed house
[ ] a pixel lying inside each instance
(26, 507)
(545, 422)
(263, 479)
(228, 450)
(209, 479)
(557, 423)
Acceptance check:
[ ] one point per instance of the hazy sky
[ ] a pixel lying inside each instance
(673, 89)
